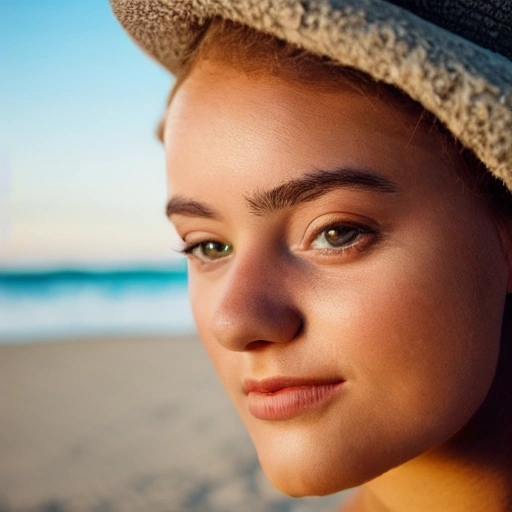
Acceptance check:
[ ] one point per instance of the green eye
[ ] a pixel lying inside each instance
(209, 251)
(215, 250)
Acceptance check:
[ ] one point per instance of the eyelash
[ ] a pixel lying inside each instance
(359, 230)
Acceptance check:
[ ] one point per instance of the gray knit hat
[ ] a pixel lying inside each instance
(452, 56)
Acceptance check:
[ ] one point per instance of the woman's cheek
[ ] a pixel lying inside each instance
(426, 348)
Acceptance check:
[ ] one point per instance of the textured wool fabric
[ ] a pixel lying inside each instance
(466, 85)
(487, 23)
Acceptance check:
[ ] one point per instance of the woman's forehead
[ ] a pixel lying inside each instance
(221, 118)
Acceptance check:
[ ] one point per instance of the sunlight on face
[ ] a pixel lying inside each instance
(346, 285)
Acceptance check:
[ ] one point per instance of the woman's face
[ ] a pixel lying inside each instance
(347, 286)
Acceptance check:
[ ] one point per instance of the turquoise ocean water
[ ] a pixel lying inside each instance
(44, 305)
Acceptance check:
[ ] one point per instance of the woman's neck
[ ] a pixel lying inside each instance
(429, 483)
(470, 473)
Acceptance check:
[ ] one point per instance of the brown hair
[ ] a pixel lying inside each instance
(255, 52)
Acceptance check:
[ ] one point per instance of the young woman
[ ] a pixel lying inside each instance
(338, 173)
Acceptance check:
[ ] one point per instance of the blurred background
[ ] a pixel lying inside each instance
(82, 190)
(107, 401)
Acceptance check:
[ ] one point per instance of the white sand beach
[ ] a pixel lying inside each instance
(108, 425)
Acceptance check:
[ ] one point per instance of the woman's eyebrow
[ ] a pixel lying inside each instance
(179, 205)
(314, 184)
(300, 190)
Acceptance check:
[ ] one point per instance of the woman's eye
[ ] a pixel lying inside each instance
(337, 237)
(209, 251)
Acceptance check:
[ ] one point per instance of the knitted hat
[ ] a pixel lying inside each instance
(452, 57)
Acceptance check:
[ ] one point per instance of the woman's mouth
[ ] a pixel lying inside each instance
(283, 398)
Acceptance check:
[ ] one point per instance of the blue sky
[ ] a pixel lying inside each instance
(81, 172)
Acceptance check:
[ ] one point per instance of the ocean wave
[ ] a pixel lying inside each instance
(35, 306)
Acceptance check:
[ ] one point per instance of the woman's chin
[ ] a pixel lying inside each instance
(317, 464)
(302, 473)
(302, 482)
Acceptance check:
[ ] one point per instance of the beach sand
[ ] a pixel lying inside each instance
(108, 425)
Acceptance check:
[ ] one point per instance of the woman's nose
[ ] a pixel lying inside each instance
(255, 309)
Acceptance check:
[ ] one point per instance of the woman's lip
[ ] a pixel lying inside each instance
(283, 398)
(274, 384)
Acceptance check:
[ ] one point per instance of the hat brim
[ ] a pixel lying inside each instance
(467, 87)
